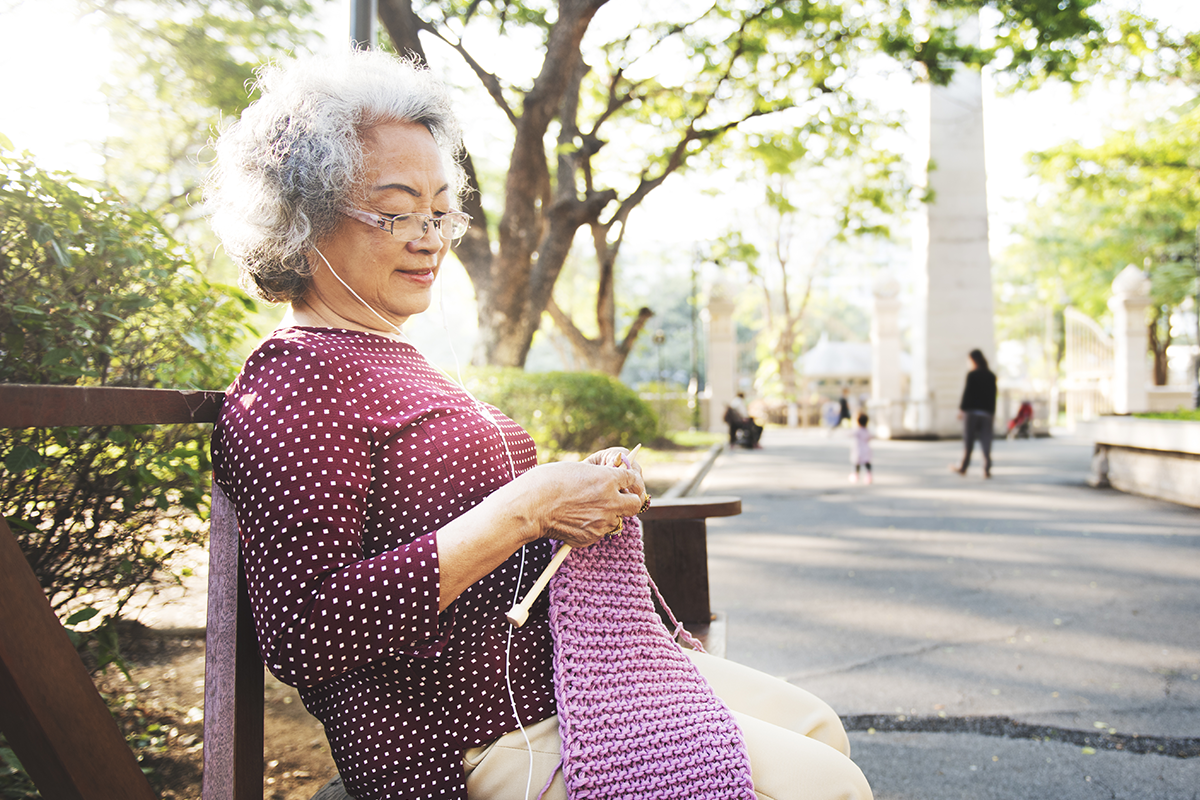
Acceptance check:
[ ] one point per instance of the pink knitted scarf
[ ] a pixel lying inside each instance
(637, 719)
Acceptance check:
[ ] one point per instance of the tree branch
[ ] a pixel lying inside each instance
(488, 79)
(403, 27)
(579, 342)
(522, 227)
(635, 329)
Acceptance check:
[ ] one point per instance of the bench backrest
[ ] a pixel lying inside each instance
(50, 711)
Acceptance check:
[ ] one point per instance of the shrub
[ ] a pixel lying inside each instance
(567, 412)
(670, 401)
(95, 292)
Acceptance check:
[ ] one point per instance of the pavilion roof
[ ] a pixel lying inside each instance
(828, 359)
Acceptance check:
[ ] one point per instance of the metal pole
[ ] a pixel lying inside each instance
(694, 383)
(362, 23)
(660, 337)
(1196, 309)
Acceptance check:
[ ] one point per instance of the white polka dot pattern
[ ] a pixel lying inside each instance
(343, 453)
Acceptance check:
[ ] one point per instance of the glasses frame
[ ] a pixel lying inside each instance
(387, 222)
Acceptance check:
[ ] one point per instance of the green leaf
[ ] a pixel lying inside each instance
(56, 356)
(196, 340)
(63, 258)
(83, 615)
(22, 458)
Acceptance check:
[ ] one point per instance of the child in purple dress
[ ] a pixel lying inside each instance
(860, 449)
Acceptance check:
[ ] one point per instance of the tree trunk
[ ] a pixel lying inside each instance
(474, 250)
(785, 348)
(513, 282)
(1159, 342)
(602, 354)
(514, 277)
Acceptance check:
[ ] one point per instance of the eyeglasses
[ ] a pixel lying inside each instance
(411, 227)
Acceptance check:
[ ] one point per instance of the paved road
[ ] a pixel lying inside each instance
(987, 616)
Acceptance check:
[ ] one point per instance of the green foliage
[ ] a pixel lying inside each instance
(825, 187)
(1035, 40)
(95, 292)
(184, 65)
(696, 439)
(100, 645)
(14, 781)
(1134, 199)
(1183, 414)
(670, 402)
(567, 412)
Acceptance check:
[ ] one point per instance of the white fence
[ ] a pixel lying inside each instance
(1088, 367)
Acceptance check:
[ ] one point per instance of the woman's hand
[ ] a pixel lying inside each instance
(576, 503)
(580, 503)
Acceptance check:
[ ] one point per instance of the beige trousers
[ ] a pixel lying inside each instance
(798, 748)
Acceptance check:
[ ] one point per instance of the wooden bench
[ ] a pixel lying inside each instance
(50, 711)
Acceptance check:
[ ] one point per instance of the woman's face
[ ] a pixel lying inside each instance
(404, 174)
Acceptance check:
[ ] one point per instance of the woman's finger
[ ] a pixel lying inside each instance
(608, 457)
(630, 480)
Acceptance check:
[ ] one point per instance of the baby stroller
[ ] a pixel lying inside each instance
(1019, 426)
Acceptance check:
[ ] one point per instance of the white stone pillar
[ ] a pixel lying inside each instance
(1131, 340)
(722, 355)
(886, 378)
(954, 292)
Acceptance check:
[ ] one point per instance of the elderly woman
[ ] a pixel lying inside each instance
(388, 519)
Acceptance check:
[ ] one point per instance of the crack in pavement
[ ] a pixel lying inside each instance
(1006, 727)
(921, 650)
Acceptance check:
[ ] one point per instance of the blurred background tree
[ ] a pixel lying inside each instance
(1134, 199)
(185, 66)
(821, 189)
(608, 114)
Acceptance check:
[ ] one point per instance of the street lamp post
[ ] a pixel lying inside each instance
(362, 23)
(694, 382)
(1196, 308)
(659, 339)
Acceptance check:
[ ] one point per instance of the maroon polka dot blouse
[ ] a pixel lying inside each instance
(343, 453)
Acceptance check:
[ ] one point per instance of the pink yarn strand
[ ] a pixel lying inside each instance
(678, 632)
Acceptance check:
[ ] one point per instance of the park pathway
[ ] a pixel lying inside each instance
(957, 623)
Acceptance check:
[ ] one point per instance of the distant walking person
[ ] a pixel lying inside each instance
(844, 407)
(860, 449)
(829, 414)
(977, 409)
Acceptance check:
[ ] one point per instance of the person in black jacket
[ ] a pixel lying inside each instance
(977, 409)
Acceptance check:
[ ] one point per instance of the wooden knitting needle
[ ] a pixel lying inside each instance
(518, 614)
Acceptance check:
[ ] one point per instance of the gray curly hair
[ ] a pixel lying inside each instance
(295, 158)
